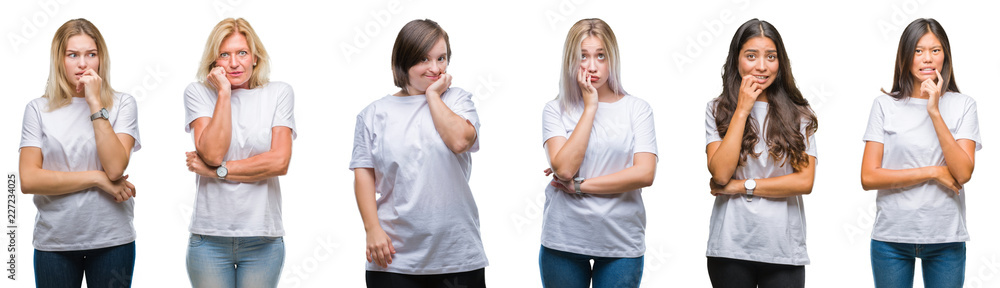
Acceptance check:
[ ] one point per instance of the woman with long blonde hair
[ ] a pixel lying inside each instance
(601, 145)
(76, 141)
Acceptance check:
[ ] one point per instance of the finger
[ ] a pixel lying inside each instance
(392, 248)
(379, 258)
(388, 254)
(368, 254)
(940, 80)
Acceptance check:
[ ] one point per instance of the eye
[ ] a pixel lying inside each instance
(243, 53)
(424, 59)
(772, 57)
(583, 56)
(918, 51)
(224, 54)
(600, 56)
(441, 59)
(935, 51)
(751, 56)
(71, 55)
(92, 55)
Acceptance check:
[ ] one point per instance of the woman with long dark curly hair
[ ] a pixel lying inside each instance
(761, 147)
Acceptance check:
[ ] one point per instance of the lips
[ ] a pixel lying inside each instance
(235, 74)
(927, 70)
(434, 78)
(761, 78)
(594, 78)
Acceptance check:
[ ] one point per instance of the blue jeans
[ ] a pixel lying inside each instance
(569, 270)
(943, 264)
(214, 261)
(105, 267)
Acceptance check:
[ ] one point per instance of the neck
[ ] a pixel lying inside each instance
(762, 97)
(604, 94)
(917, 92)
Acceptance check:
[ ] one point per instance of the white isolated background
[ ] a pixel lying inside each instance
(336, 56)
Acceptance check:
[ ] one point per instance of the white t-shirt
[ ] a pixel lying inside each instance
(90, 218)
(235, 209)
(608, 225)
(925, 213)
(425, 204)
(769, 230)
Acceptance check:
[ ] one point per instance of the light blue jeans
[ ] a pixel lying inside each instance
(893, 263)
(214, 261)
(570, 270)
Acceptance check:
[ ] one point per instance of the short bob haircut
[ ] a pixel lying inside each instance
(413, 43)
(58, 90)
(902, 79)
(225, 28)
(570, 96)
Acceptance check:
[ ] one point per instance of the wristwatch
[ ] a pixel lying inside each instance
(103, 113)
(576, 185)
(222, 171)
(750, 185)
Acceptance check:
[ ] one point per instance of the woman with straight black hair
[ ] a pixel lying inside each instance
(761, 147)
(920, 148)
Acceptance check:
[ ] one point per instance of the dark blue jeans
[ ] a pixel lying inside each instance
(570, 270)
(893, 263)
(104, 267)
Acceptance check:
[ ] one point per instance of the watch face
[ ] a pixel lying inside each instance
(221, 172)
(750, 184)
(104, 113)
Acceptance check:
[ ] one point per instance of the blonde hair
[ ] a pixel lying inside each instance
(58, 90)
(570, 96)
(225, 28)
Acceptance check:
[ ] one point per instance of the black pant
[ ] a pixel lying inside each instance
(732, 273)
(471, 279)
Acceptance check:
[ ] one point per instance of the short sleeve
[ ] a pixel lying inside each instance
(284, 112)
(969, 126)
(198, 102)
(711, 130)
(811, 148)
(361, 157)
(31, 126)
(127, 121)
(463, 106)
(552, 124)
(644, 127)
(876, 130)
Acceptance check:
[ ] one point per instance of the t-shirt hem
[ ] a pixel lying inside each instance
(910, 240)
(594, 252)
(88, 246)
(431, 271)
(759, 258)
(239, 233)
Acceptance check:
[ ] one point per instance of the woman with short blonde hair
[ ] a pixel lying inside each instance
(236, 230)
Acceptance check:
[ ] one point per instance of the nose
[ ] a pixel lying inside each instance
(761, 66)
(927, 57)
(81, 63)
(233, 63)
(591, 65)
